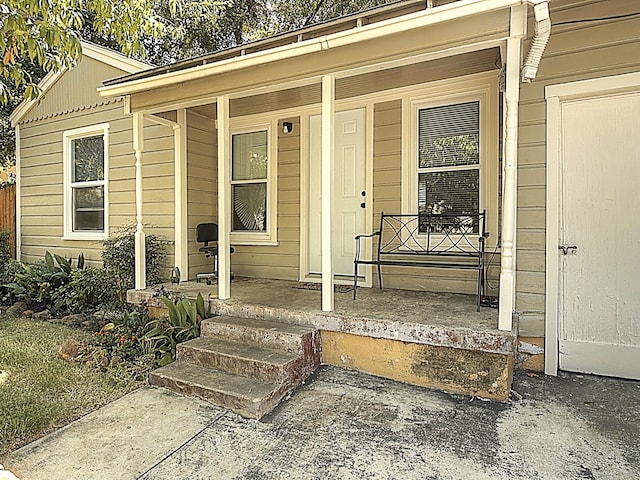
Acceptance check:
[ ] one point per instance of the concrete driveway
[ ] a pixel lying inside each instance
(348, 425)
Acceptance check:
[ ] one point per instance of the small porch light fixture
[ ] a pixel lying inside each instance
(287, 127)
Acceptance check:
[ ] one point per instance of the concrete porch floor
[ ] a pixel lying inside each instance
(436, 340)
(440, 319)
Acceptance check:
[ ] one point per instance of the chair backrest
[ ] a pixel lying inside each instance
(206, 232)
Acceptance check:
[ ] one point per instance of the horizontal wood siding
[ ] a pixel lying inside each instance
(42, 181)
(575, 52)
(202, 185)
(281, 261)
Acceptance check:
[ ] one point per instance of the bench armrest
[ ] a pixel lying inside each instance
(369, 235)
(358, 238)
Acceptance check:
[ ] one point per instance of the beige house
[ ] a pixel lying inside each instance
(75, 181)
(322, 129)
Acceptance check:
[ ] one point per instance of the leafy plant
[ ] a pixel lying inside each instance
(8, 272)
(88, 290)
(123, 336)
(5, 250)
(182, 324)
(118, 257)
(38, 285)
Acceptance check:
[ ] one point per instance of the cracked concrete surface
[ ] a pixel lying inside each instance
(348, 425)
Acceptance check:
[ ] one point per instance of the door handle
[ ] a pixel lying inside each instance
(568, 249)
(363, 205)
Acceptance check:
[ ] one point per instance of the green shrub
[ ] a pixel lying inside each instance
(8, 274)
(5, 249)
(118, 257)
(123, 336)
(88, 290)
(182, 324)
(39, 285)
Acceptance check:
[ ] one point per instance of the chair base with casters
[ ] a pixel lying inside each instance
(207, 233)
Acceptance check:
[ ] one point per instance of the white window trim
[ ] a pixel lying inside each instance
(483, 90)
(67, 137)
(255, 124)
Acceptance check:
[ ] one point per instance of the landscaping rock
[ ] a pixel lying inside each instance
(91, 325)
(27, 313)
(43, 315)
(69, 350)
(73, 320)
(115, 361)
(16, 309)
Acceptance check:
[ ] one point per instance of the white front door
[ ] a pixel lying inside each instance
(349, 190)
(599, 296)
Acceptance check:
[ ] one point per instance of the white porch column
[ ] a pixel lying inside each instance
(510, 161)
(138, 147)
(328, 107)
(180, 195)
(224, 199)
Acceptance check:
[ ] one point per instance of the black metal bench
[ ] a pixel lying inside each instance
(427, 240)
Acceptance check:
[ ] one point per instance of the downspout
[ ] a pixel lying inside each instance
(539, 41)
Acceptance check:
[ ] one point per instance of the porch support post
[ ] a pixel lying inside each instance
(509, 197)
(138, 147)
(180, 196)
(224, 199)
(328, 107)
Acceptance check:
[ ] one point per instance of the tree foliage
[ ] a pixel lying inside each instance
(41, 36)
(46, 33)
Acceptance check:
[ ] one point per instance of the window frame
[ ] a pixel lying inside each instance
(67, 152)
(485, 92)
(252, 125)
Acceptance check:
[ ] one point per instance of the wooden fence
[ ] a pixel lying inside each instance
(8, 214)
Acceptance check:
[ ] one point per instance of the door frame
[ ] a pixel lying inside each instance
(305, 136)
(555, 95)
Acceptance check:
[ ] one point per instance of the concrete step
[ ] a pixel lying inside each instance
(249, 397)
(245, 359)
(267, 333)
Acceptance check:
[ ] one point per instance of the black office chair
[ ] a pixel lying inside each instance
(207, 233)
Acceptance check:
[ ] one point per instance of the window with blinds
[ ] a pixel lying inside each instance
(448, 159)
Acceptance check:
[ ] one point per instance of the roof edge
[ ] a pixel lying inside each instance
(127, 85)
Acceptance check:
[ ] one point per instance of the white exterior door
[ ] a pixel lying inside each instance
(349, 185)
(599, 203)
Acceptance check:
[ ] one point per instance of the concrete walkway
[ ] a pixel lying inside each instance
(348, 425)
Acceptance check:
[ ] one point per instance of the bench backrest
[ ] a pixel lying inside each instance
(432, 234)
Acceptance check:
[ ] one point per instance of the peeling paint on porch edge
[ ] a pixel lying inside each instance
(437, 335)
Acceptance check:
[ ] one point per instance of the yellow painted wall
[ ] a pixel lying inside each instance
(467, 372)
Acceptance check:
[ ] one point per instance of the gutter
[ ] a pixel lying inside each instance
(430, 16)
(539, 41)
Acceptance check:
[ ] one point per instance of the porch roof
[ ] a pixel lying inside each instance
(346, 47)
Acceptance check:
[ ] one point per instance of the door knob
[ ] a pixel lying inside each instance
(363, 205)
